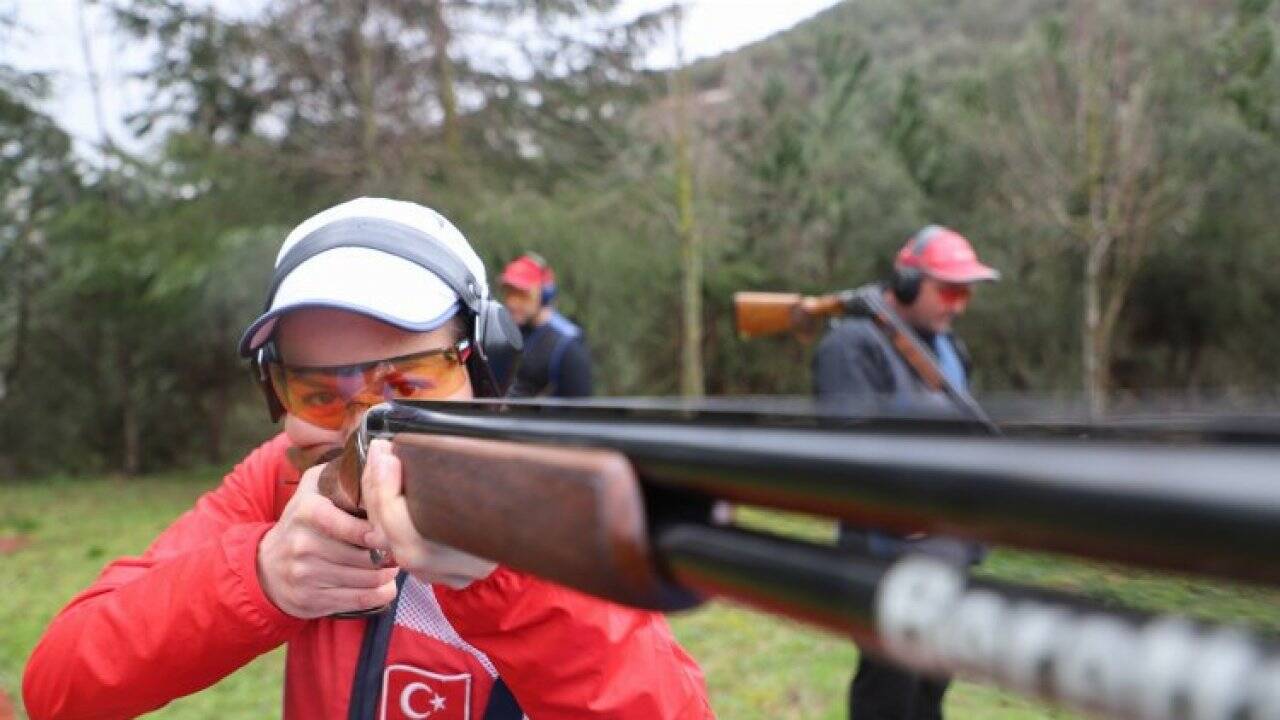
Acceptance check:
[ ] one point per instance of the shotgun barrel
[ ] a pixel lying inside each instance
(615, 500)
(1203, 508)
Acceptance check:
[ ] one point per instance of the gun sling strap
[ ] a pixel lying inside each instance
(867, 302)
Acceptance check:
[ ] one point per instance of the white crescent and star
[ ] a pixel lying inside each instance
(406, 700)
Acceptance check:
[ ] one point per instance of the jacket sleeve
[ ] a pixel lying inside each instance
(567, 655)
(186, 613)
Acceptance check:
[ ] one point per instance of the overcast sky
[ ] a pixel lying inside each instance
(50, 41)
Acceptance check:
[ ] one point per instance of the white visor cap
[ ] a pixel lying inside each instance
(370, 282)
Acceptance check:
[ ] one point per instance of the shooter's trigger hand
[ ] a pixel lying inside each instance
(315, 561)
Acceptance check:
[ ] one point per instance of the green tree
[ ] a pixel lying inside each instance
(373, 93)
(1077, 150)
(37, 177)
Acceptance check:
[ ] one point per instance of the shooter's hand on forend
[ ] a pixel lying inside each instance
(383, 498)
(315, 561)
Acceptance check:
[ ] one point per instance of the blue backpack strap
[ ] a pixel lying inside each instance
(568, 332)
(564, 325)
(557, 355)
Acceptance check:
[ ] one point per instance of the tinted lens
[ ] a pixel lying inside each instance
(323, 396)
(424, 377)
(312, 396)
(953, 293)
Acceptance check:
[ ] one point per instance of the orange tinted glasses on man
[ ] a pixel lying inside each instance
(954, 293)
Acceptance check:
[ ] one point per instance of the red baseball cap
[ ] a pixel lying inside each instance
(944, 254)
(526, 272)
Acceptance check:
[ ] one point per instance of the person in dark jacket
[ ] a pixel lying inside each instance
(555, 361)
(857, 368)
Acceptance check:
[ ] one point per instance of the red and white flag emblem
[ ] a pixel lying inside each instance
(412, 694)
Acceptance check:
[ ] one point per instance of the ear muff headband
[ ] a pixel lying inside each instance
(494, 331)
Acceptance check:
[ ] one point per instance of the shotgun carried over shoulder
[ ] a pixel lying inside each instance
(615, 500)
(769, 313)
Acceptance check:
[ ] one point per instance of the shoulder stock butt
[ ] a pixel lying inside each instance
(768, 313)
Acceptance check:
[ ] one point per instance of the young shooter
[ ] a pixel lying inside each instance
(371, 300)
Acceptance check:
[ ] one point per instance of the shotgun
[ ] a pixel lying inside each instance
(614, 499)
(768, 313)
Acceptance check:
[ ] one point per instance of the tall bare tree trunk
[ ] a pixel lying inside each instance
(440, 38)
(691, 377)
(1095, 341)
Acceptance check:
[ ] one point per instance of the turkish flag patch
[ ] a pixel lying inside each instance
(412, 694)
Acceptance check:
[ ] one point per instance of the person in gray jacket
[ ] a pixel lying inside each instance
(857, 369)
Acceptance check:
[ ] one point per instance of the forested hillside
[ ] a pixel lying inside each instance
(1118, 161)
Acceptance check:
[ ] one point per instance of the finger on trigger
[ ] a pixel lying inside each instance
(338, 552)
(366, 598)
(338, 576)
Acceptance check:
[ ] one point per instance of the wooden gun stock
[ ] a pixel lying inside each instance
(572, 516)
(768, 313)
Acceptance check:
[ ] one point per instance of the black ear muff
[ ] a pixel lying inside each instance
(906, 284)
(496, 335)
(907, 279)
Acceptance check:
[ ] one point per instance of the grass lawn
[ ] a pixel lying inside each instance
(757, 666)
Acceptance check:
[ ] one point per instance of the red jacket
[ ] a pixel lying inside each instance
(190, 611)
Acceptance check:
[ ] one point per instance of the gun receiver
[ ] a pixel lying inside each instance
(763, 313)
